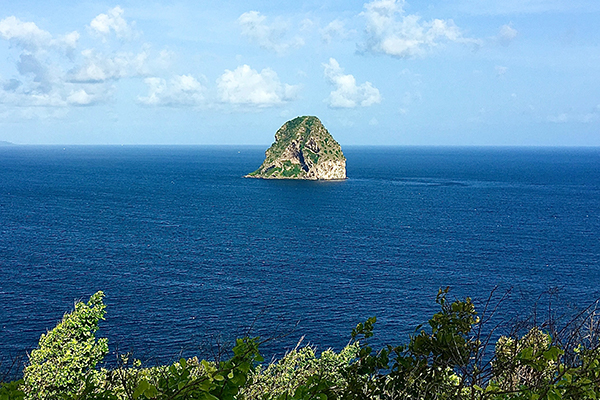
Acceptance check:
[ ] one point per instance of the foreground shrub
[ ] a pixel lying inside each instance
(66, 356)
(447, 358)
(282, 378)
(187, 379)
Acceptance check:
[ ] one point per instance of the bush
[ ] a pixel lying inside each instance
(282, 378)
(66, 356)
(185, 379)
(443, 359)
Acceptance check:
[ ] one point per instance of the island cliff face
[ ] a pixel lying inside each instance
(303, 149)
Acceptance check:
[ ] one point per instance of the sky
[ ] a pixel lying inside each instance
(382, 72)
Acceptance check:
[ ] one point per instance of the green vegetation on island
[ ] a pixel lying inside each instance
(449, 357)
(303, 149)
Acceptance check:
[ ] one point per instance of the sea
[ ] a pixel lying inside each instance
(191, 255)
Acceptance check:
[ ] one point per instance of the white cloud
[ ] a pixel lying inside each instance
(52, 75)
(70, 39)
(347, 93)
(46, 89)
(165, 59)
(99, 68)
(246, 86)
(390, 31)
(336, 29)
(20, 99)
(28, 36)
(80, 97)
(181, 90)
(25, 34)
(39, 82)
(30, 65)
(269, 37)
(113, 21)
(507, 34)
(87, 95)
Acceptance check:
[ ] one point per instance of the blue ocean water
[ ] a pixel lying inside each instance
(190, 253)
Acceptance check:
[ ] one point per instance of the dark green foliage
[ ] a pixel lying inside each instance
(444, 362)
(195, 380)
(291, 170)
(12, 390)
(273, 171)
(308, 153)
(426, 367)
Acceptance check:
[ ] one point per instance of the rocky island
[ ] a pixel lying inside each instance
(303, 149)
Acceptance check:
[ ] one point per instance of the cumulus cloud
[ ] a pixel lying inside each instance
(39, 83)
(112, 21)
(99, 67)
(347, 93)
(269, 37)
(17, 98)
(28, 64)
(11, 85)
(336, 29)
(28, 36)
(507, 34)
(24, 34)
(88, 95)
(389, 30)
(51, 74)
(81, 97)
(181, 90)
(248, 87)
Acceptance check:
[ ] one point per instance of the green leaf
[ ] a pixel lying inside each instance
(141, 388)
(552, 395)
(205, 386)
(552, 353)
(526, 354)
(207, 396)
(151, 392)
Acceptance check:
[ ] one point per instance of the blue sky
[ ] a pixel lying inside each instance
(384, 72)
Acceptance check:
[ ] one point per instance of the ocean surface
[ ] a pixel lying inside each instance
(190, 254)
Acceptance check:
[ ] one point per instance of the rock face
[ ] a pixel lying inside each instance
(303, 149)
